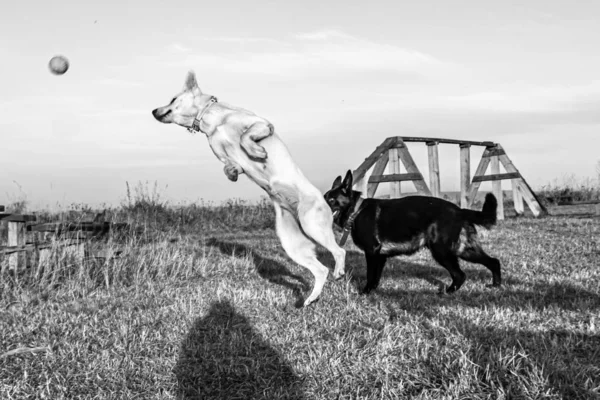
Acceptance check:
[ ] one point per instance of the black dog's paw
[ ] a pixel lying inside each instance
(494, 286)
(451, 289)
(366, 290)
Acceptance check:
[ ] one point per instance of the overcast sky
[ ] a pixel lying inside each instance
(334, 77)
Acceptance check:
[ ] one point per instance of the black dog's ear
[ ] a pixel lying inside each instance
(348, 181)
(337, 183)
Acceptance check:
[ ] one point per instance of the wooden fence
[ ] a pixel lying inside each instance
(23, 246)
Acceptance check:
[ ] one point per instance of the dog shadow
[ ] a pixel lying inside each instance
(223, 357)
(267, 268)
(398, 268)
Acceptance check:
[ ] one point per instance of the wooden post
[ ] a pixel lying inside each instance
(529, 196)
(434, 168)
(394, 168)
(480, 171)
(497, 187)
(411, 168)
(517, 197)
(16, 237)
(43, 264)
(465, 174)
(377, 171)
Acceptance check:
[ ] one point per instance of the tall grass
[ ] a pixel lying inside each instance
(571, 189)
(160, 243)
(199, 304)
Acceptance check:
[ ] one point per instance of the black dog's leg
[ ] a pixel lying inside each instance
(375, 264)
(447, 259)
(476, 254)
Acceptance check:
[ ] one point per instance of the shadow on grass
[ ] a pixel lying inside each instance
(539, 295)
(222, 357)
(563, 362)
(401, 269)
(556, 361)
(268, 268)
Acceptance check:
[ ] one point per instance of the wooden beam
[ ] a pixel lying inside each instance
(481, 168)
(497, 187)
(496, 177)
(434, 168)
(494, 151)
(517, 197)
(377, 171)
(362, 169)
(447, 141)
(17, 217)
(536, 207)
(395, 178)
(39, 246)
(411, 168)
(394, 170)
(465, 174)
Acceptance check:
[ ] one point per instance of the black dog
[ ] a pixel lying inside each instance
(387, 228)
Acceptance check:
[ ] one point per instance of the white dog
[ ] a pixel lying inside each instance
(247, 143)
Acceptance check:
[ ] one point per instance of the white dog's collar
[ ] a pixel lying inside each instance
(196, 124)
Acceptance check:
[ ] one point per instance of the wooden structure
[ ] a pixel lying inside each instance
(393, 153)
(16, 237)
(22, 241)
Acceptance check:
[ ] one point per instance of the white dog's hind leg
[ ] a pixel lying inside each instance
(300, 249)
(317, 222)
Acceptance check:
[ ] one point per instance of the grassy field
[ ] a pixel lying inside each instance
(196, 309)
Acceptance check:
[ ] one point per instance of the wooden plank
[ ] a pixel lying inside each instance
(17, 217)
(39, 246)
(517, 197)
(434, 168)
(394, 170)
(497, 187)
(494, 151)
(447, 141)
(16, 237)
(411, 168)
(496, 177)
(465, 174)
(362, 169)
(43, 263)
(536, 207)
(481, 168)
(377, 171)
(395, 178)
(58, 227)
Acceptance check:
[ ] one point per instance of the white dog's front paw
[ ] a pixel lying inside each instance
(255, 150)
(231, 172)
(338, 274)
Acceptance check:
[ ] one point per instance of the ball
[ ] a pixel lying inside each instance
(58, 65)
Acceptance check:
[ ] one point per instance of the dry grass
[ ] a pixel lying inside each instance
(193, 310)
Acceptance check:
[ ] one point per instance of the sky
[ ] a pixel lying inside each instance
(335, 78)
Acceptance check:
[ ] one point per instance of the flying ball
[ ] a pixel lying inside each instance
(58, 65)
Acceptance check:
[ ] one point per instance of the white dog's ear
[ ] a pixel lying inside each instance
(337, 183)
(348, 180)
(190, 82)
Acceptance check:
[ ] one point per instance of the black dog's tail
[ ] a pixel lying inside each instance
(487, 216)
